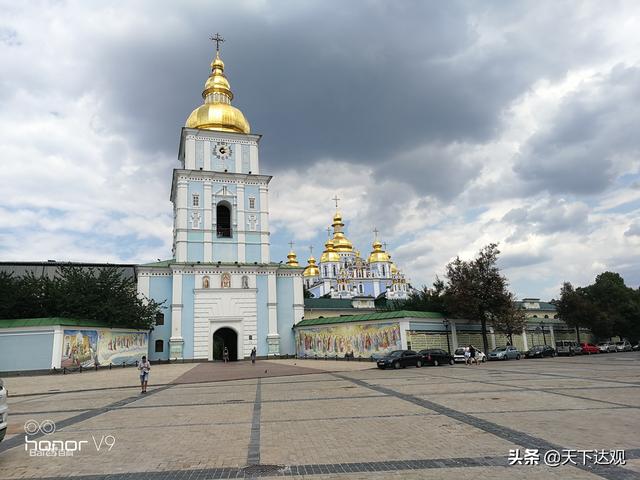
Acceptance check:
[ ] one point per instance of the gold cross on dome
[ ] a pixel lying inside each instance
(311, 249)
(218, 39)
(336, 199)
(375, 232)
(291, 244)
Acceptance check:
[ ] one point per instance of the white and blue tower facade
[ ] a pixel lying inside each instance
(220, 289)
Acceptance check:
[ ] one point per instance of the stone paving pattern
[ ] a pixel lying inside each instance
(327, 419)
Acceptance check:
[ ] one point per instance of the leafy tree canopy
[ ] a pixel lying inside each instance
(103, 294)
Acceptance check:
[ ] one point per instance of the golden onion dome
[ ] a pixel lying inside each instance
(378, 254)
(292, 259)
(340, 242)
(329, 254)
(217, 113)
(312, 269)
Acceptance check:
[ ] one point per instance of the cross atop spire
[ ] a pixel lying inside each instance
(291, 244)
(375, 232)
(311, 250)
(336, 199)
(218, 39)
(329, 232)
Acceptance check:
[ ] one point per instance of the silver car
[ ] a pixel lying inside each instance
(504, 353)
(3, 409)
(606, 347)
(623, 346)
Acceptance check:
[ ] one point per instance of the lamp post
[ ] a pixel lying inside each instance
(446, 327)
(544, 338)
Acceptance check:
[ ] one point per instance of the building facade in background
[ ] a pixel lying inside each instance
(220, 288)
(342, 272)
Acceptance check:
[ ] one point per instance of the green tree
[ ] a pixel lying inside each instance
(576, 310)
(617, 305)
(476, 290)
(425, 299)
(511, 320)
(102, 294)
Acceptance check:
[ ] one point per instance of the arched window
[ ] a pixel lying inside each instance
(325, 270)
(159, 319)
(334, 270)
(205, 282)
(360, 288)
(159, 346)
(223, 220)
(546, 316)
(384, 271)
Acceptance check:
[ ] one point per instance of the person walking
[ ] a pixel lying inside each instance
(467, 355)
(472, 355)
(145, 367)
(253, 355)
(225, 355)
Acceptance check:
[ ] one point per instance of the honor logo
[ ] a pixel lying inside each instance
(58, 448)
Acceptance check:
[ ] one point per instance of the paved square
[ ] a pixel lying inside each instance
(323, 419)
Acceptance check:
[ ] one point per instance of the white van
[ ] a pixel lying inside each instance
(3, 409)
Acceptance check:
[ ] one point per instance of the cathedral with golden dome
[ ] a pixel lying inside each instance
(343, 273)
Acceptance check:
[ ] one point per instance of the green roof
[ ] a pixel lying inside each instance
(51, 321)
(329, 303)
(368, 317)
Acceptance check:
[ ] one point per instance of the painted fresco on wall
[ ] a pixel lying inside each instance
(118, 347)
(79, 348)
(362, 340)
(102, 346)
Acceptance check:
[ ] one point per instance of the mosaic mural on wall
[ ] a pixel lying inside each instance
(87, 348)
(361, 340)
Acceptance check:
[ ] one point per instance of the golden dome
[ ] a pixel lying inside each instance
(378, 255)
(394, 269)
(329, 254)
(217, 113)
(292, 259)
(312, 269)
(340, 242)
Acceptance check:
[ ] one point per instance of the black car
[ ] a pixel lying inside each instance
(400, 359)
(539, 351)
(435, 357)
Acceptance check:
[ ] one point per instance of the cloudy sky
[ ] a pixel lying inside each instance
(446, 125)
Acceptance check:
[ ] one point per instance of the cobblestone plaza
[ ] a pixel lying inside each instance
(324, 419)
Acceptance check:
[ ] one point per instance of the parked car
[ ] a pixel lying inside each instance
(568, 347)
(623, 346)
(3, 409)
(539, 351)
(435, 357)
(504, 353)
(606, 347)
(458, 355)
(400, 359)
(589, 348)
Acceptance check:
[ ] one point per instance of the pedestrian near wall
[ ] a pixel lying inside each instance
(253, 355)
(225, 355)
(145, 367)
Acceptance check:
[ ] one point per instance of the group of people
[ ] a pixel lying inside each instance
(470, 355)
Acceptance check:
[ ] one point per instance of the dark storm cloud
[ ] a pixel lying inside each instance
(361, 80)
(593, 139)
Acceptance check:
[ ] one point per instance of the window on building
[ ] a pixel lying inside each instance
(334, 270)
(324, 269)
(195, 200)
(535, 316)
(159, 346)
(546, 316)
(223, 220)
(384, 271)
(360, 288)
(252, 203)
(159, 319)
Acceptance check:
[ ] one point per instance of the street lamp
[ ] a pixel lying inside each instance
(446, 327)
(544, 338)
